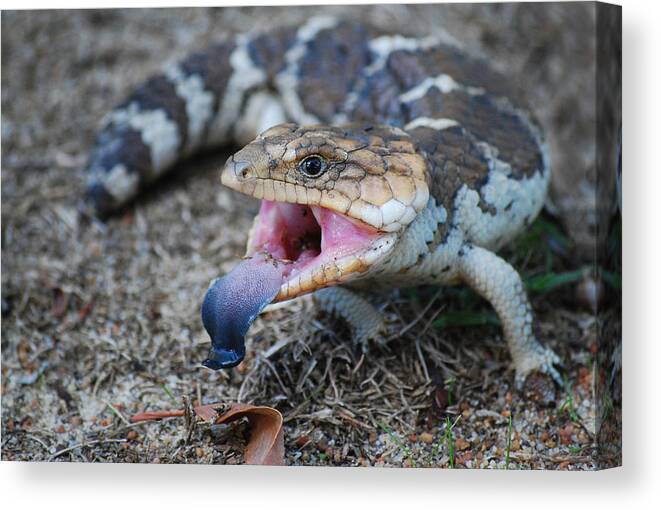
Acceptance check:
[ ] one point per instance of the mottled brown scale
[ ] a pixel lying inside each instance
(213, 67)
(137, 154)
(454, 161)
(268, 50)
(412, 68)
(478, 115)
(332, 62)
(160, 93)
(378, 100)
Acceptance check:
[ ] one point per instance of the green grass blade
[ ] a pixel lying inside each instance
(549, 281)
(466, 318)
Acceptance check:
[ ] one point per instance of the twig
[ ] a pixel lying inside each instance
(358, 365)
(189, 419)
(80, 445)
(354, 421)
(406, 328)
(509, 443)
(431, 320)
(117, 413)
(277, 346)
(294, 412)
(422, 360)
(247, 379)
(156, 415)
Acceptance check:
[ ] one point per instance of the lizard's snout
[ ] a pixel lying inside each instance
(236, 173)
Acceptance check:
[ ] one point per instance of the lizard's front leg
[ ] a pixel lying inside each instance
(366, 322)
(499, 283)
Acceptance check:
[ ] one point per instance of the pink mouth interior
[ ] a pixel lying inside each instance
(299, 238)
(307, 236)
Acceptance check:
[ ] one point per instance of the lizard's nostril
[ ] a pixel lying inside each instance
(242, 169)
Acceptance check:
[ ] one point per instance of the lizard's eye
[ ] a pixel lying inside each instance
(312, 166)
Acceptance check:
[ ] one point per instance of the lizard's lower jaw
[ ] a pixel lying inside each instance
(320, 247)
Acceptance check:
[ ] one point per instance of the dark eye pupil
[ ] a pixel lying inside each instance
(312, 166)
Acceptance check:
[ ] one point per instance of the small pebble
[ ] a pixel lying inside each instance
(426, 437)
(566, 433)
(461, 444)
(589, 292)
(464, 458)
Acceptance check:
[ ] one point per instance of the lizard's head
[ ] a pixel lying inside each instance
(334, 199)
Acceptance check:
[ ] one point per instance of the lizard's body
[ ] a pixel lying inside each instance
(416, 162)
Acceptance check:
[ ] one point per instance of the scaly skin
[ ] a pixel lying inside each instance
(428, 156)
(374, 175)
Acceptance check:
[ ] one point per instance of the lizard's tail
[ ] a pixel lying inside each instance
(191, 105)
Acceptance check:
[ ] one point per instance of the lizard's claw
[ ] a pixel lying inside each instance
(376, 337)
(542, 359)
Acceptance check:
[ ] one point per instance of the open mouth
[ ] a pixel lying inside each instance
(318, 246)
(293, 249)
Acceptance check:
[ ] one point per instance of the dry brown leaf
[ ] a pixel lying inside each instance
(266, 444)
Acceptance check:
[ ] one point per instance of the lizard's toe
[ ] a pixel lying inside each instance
(540, 359)
(376, 336)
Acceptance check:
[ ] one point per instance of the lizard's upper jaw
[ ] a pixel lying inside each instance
(320, 247)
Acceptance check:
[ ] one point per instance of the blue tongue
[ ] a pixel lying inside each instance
(233, 302)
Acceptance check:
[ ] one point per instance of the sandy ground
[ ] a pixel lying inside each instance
(101, 320)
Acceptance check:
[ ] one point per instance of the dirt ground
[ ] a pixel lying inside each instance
(101, 320)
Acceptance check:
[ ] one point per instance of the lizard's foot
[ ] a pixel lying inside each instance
(374, 333)
(538, 358)
(366, 322)
(500, 284)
